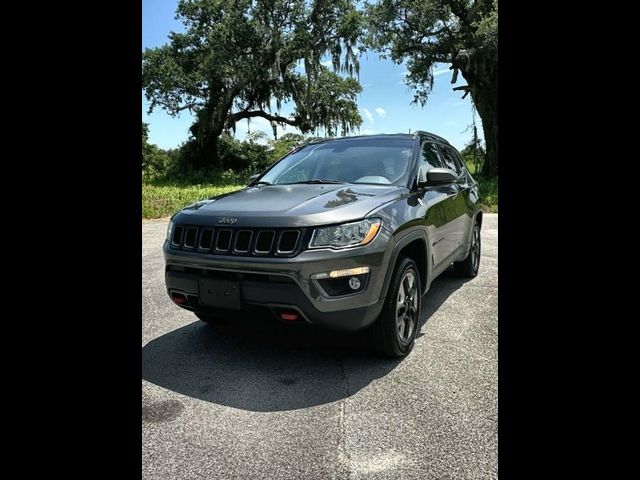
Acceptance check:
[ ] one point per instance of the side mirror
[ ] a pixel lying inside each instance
(252, 178)
(439, 176)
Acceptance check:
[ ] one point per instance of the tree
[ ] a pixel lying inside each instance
(284, 145)
(145, 140)
(472, 154)
(461, 32)
(237, 57)
(155, 161)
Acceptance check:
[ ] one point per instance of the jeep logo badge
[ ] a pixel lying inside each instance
(228, 221)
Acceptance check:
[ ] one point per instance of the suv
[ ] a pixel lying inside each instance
(343, 233)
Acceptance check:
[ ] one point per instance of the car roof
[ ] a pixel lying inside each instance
(421, 133)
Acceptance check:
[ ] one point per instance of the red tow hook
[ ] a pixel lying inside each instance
(179, 298)
(289, 316)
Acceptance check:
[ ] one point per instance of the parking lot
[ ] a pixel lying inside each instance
(255, 400)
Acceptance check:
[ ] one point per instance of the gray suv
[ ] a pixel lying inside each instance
(345, 233)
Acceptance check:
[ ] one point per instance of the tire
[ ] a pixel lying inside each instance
(393, 337)
(470, 265)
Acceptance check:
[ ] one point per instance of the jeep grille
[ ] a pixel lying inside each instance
(264, 242)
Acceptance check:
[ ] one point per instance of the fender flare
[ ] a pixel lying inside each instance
(414, 234)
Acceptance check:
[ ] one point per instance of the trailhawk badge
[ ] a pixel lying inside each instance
(227, 220)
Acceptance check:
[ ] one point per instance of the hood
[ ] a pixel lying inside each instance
(290, 205)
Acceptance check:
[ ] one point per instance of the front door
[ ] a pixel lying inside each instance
(441, 203)
(461, 221)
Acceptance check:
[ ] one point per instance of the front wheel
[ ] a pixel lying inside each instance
(395, 330)
(469, 266)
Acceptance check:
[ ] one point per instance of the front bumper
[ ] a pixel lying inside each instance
(287, 282)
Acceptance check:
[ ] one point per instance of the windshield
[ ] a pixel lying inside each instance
(365, 160)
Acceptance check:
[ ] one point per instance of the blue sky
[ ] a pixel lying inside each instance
(385, 101)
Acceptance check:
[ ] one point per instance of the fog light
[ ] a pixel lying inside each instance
(354, 283)
(341, 273)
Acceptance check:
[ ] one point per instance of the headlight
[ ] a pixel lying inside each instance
(170, 230)
(346, 235)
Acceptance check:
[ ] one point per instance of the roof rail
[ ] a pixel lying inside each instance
(432, 136)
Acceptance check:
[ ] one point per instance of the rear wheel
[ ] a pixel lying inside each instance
(469, 266)
(395, 330)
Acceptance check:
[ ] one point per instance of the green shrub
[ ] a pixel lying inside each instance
(488, 193)
(488, 189)
(473, 157)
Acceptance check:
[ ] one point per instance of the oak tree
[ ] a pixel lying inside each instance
(241, 59)
(463, 33)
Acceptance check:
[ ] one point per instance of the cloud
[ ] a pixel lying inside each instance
(368, 131)
(258, 123)
(450, 123)
(367, 114)
(381, 111)
(436, 73)
(441, 71)
(327, 63)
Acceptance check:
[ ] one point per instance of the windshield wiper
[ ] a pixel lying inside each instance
(318, 180)
(261, 182)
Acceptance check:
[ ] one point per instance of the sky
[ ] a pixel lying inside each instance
(385, 102)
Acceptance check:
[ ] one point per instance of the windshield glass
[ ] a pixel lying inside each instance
(381, 161)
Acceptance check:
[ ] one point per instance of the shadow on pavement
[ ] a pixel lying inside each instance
(441, 288)
(260, 365)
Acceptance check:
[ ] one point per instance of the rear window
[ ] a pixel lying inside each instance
(451, 160)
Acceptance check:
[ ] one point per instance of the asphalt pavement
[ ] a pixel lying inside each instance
(252, 400)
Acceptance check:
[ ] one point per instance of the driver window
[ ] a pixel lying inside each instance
(430, 158)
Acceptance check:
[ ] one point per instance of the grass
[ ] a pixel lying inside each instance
(164, 197)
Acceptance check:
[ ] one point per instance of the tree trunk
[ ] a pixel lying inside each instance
(486, 102)
(203, 154)
(481, 74)
(210, 154)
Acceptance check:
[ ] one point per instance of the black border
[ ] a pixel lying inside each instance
(550, 239)
(76, 90)
(73, 109)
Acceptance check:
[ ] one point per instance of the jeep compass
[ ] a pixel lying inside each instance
(345, 233)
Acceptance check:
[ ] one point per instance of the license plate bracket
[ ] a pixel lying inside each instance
(220, 293)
